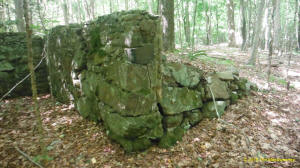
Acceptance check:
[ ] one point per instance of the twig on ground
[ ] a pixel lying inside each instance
(28, 157)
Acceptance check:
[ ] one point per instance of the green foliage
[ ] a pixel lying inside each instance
(278, 80)
(196, 54)
(40, 158)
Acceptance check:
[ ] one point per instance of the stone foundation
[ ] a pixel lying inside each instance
(112, 70)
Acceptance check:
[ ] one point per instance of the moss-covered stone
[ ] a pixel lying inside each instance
(209, 109)
(172, 121)
(170, 138)
(177, 100)
(185, 75)
(14, 64)
(194, 116)
(217, 87)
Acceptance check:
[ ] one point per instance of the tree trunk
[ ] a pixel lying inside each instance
(150, 6)
(271, 37)
(92, 7)
(126, 4)
(19, 15)
(231, 25)
(194, 27)
(277, 24)
(298, 32)
(179, 22)
(167, 13)
(186, 22)
(33, 79)
(2, 17)
(258, 24)
(66, 11)
(217, 26)
(110, 6)
(244, 24)
(207, 24)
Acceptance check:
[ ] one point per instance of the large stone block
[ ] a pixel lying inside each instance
(177, 100)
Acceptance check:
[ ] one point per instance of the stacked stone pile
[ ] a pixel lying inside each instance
(112, 70)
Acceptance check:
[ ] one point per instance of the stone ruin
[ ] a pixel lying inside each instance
(14, 67)
(113, 71)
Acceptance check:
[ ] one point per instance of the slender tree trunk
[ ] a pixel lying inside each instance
(19, 15)
(2, 17)
(66, 11)
(194, 27)
(258, 24)
(231, 25)
(126, 5)
(249, 23)
(207, 23)
(41, 14)
(277, 24)
(179, 22)
(33, 79)
(150, 6)
(244, 24)
(186, 22)
(217, 26)
(110, 6)
(271, 37)
(210, 22)
(92, 8)
(167, 13)
(298, 32)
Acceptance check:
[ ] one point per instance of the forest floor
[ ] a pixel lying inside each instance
(269, 118)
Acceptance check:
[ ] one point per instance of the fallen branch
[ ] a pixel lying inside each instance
(28, 157)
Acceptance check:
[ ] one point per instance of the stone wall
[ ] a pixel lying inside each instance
(112, 70)
(14, 67)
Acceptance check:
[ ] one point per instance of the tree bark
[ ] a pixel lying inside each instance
(167, 13)
(126, 5)
(186, 22)
(150, 6)
(32, 77)
(277, 24)
(244, 24)
(258, 24)
(207, 23)
(66, 11)
(298, 32)
(194, 27)
(2, 17)
(271, 37)
(231, 25)
(110, 6)
(19, 15)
